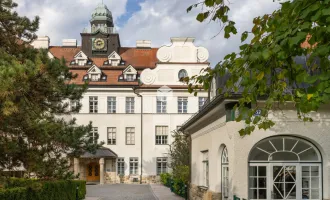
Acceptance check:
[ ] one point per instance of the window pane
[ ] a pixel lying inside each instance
(253, 182)
(262, 194)
(253, 193)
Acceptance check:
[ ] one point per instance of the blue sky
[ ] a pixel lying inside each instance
(155, 20)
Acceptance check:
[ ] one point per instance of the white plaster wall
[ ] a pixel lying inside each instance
(219, 133)
(121, 120)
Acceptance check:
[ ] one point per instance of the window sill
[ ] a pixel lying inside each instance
(161, 144)
(203, 187)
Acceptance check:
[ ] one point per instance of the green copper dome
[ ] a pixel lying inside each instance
(101, 12)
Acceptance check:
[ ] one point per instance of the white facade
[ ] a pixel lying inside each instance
(214, 134)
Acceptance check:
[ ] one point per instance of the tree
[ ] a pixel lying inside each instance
(179, 156)
(265, 67)
(36, 130)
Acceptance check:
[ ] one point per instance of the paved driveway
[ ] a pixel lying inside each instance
(119, 192)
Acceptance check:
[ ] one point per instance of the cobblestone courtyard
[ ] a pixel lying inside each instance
(129, 192)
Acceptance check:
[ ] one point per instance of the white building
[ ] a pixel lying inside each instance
(288, 161)
(134, 98)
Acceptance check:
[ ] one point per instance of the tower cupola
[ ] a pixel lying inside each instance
(102, 19)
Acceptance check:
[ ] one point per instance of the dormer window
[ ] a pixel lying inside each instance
(130, 74)
(81, 59)
(114, 59)
(182, 74)
(94, 73)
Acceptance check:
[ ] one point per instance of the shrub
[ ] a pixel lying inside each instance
(50, 190)
(18, 193)
(165, 179)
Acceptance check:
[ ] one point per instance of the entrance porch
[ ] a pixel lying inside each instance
(96, 167)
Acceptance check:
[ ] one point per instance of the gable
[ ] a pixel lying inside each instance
(130, 70)
(114, 56)
(80, 56)
(94, 70)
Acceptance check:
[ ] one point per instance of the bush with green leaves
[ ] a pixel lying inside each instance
(32, 189)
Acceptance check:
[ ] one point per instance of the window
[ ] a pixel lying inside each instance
(120, 166)
(111, 136)
(81, 62)
(74, 106)
(161, 165)
(133, 165)
(182, 74)
(201, 102)
(161, 104)
(285, 167)
(161, 134)
(94, 77)
(205, 168)
(130, 77)
(93, 135)
(93, 104)
(225, 173)
(130, 135)
(130, 104)
(111, 104)
(182, 104)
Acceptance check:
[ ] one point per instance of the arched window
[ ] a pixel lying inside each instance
(225, 173)
(182, 74)
(285, 167)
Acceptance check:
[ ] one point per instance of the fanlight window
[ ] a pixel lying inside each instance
(182, 74)
(284, 149)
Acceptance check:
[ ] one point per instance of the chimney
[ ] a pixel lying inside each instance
(69, 43)
(41, 43)
(143, 44)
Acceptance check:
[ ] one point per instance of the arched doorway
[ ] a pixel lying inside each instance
(225, 173)
(285, 167)
(93, 172)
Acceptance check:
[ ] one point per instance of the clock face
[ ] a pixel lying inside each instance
(99, 43)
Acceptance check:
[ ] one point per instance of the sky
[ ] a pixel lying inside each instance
(155, 20)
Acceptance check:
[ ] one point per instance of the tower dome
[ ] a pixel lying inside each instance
(101, 12)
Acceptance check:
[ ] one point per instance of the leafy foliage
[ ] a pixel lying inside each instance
(179, 156)
(265, 67)
(36, 130)
(30, 189)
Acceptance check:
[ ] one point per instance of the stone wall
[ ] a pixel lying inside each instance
(202, 193)
(112, 178)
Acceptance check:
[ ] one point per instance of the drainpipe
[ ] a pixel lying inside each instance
(139, 95)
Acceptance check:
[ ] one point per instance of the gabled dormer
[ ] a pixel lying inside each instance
(130, 74)
(94, 73)
(114, 59)
(80, 59)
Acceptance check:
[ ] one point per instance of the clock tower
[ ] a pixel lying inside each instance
(101, 39)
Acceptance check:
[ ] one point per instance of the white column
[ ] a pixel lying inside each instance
(101, 171)
(76, 170)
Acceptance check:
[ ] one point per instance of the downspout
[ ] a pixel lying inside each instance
(141, 164)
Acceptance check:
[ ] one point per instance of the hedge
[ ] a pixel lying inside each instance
(19, 193)
(41, 190)
(177, 186)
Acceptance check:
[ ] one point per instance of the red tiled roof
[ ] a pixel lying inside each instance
(67, 52)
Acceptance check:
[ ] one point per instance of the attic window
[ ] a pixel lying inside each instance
(130, 77)
(73, 62)
(106, 63)
(122, 62)
(104, 78)
(85, 77)
(94, 77)
(89, 62)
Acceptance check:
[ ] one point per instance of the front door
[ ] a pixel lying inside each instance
(93, 172)
(284, 181)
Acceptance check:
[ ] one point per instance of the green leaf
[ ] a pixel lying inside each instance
(260, 76)
(245, 34)
(189, 8)
(218, 2)
(326, 11)
(266, 54)
(209, 3)
(301, 36)
(200, 17)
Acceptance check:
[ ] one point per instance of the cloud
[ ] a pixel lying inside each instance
(63, 19)
(156, 20)
(159, 20)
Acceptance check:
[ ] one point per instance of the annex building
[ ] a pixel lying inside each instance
(135, 98)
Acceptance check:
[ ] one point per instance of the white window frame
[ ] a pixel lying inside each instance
(225, 173)
(95, 77)
(133, 166)
(161, 104)
(130, 102)
(182, 104)
(121, 166)
(205, 164)
(93, 135)
(111, 135)
(130, 136)
(112, 101)
(161, 165)
(130, 77)
(161, 136)
(93, 104)
(201, 102)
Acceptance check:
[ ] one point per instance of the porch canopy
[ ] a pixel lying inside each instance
(102, 152)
